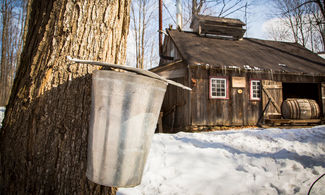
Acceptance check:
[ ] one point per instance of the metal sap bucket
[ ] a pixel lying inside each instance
(125, 110)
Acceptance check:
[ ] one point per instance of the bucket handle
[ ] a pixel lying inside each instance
(128, 68)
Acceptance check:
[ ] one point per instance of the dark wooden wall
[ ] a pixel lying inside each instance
(272, 91)
(170, 52)
(175, 107)
(184, 110)
(323, 99)
(238, 109)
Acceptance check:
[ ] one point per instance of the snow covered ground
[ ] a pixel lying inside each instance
(249, 161)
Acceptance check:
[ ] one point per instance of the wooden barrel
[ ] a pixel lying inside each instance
(294, 108)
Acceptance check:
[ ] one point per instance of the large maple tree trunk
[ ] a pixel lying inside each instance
(43, 141)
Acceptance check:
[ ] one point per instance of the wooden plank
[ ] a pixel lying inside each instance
(181, 106)
(284, 121)
(172, 74)
(224, 30)
(323, 99)
(217, 20)
(273, 87)
(279, 122)
(196, 98)
(263, 112)
(205, 97)
(272, 100)
(168, 66)
(245, 96)
(160, 123)
(238, 82)
(274, 90)
(253, 108)
(238, 106)
(224, 22)
(189, 98)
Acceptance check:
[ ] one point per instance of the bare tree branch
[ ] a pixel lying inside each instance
(304, 18)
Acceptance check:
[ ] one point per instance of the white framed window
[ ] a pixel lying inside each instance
(255, 89)
(218, 88)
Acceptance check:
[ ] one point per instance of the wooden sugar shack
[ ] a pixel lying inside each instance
(237, 81)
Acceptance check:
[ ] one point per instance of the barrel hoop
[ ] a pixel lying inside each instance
(296, 109)
(312, 109)
(291, 108)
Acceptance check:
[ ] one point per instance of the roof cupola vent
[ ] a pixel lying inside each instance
(223, 27)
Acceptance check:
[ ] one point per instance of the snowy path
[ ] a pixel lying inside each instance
(272, 161)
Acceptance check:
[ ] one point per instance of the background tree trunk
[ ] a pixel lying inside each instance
(43, 141)
(6, 12)
(12, 21)
(302, 21)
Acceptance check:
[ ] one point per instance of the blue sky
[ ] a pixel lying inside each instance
(258, 13)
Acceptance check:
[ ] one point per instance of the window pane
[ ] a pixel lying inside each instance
(218, 87)
(255, 89)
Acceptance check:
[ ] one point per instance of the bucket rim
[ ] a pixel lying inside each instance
(129, 68)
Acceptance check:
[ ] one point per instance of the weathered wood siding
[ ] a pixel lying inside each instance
(323, 99)
(272, 90)
(184, 110)
(175, 107)
(169, 52)
(238, 109)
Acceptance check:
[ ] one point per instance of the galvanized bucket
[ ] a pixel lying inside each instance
(125, 110)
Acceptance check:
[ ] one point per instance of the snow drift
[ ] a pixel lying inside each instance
(249, 161)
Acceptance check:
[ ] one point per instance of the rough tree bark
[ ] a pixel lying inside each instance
(43, 141)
